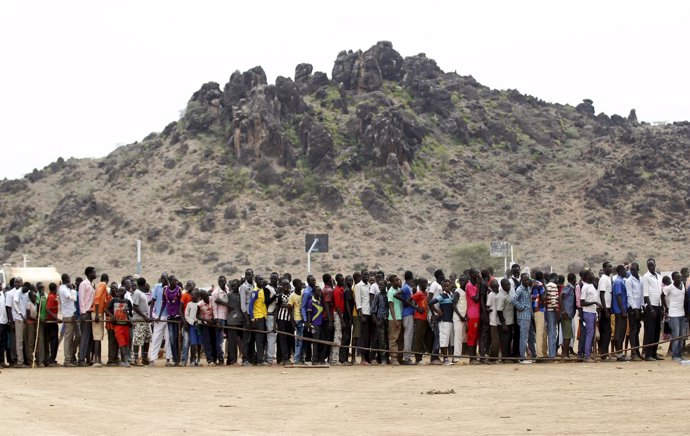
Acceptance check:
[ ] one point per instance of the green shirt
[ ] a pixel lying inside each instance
(397, 305)
(42, 314)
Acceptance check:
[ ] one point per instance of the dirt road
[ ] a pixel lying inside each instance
(572, 398)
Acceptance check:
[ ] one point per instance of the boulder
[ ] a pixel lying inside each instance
(586, 107)
(451, 203)
(376, 205)
(240, 84)
(366, 75)
(329, 196)
(343, 67)
(389, 61)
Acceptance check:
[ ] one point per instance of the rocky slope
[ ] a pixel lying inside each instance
(393, 157)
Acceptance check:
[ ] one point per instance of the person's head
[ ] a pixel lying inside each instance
(382, 285)
(620, 270)
(311, 281)
(666, 280)
(439, 275)
(285, 285)
(141, 283)
(396, 281)
(327, 280)
(408, 276)
(64, 278)
(677, 278)
(607, 268)
(297, 284)
(190, 285)
(684, 272)
(273, 279)
(525, 280)
(26, 287)
(90, 273)
(40, 288)
(445, 285)
(463, 281)
(113, 289)
(588, 276)
(204, 296)
(349, 281)
(372, 279)
(234, 285)
(505, 285)
(164, 279)
(195, 295)
(32, 296)
(515, 270)
(172, 282)
(493, 285)
(317, 292)
(651, 266)
(52, 287)
(18, 282)
(474, 275)
(539, 276)
(365, 275)
(423, 284)
(249, 275)
(121, 292)
(486, 275)
(340, 280)
(105, 278)
(127, 284)
(572, 278)
(553, 278)
(260, 282)
(222, 281)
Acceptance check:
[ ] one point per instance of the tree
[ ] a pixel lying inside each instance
(473, 255)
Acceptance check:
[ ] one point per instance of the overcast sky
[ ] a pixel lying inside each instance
(79, 78)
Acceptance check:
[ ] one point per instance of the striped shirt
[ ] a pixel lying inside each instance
(283, 312)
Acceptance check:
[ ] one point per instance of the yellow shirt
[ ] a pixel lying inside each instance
(296, 302)
(260, 311)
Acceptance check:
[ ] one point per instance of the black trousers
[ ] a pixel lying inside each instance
(112, 347)
(634, 322)
(364, 337)
(652, 330)
(234, 338)
(506, 340)
(515, 350)
(248, 351)
(259, 338)
(4, 328)
(345, 343)
(604, 334)
(283, 344)
(619, 334)
(484, 337)
(51, 337)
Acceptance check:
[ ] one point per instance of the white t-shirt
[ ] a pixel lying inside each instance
(9, 297)
(605, 285)
(461, 305)
(3, 311)
(651, 287)
(492, 303)
(675, 299)
(67, 298)
(590, 295)
(435, 289)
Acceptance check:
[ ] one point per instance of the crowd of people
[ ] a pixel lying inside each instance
(367, 318)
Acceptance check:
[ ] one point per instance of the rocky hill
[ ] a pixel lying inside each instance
(396, 159)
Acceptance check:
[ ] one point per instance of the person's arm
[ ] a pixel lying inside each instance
(136, 309)
(327, 309)
(624, 310)
(663, 299)
(516, 301)
(358, 299)
(645, 291)
(391, 310)
(475, 297)
(602, 299)
(432, 306)
(15, 305)
(165, 301)
(250, 306)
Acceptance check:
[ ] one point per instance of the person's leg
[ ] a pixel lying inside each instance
(525, 327)
(173, 332)
(634, 322)
(408, 334)
(484, 337)
(590, 320)
(19, 341)
(495, 342)
(85, 340)
(393, 333)
(271, 338)
(657, 330)
(676, 325)
(435, 347)
(159, 329)
(539, 326)
(621, 326)
(259, 339)
(552, 332)
(649, 321)
(337, 339)
(30, 343)
(233, 338)
(506, 337)
(219, 336)
(531, 340)
(364, 339)
(604, 336)
(299, 332)
(345, 342)
(515, 351)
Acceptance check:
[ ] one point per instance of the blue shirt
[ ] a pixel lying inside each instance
(522, 302)
(157, 295)
(407, 295)
(619, 289)
(568, 298)
(306, 300)
(445, 303)
(537, 292)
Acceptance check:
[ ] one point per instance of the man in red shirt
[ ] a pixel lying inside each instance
(51, 332)
(339, 309)
(423, 339)
(473, 307)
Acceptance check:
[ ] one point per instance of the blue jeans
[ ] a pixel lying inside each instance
(525, 331)
(552, 332)
(185, 343)
(590, 319)
(298, 341)
(219, 339)
(676, 323)
(173, 331)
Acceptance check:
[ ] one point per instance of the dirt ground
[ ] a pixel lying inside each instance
(570, 398)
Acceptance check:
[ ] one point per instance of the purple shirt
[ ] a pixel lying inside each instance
(172, 301)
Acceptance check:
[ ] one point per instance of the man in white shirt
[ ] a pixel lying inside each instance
(19, 304)
(675, 296)
(605, 286)
(67, 296)
(363, 305)
(4, 327)
(435, 290)
(589, 301)
(653, 313)
(15, 286)
(633, 288)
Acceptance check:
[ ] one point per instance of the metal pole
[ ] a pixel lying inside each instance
(505, 264)
(25, 261)
(139, 256)
(511, 255)
(309, 255)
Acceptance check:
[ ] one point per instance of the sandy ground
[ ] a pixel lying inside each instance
(571, 398)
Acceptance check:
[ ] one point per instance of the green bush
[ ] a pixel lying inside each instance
(473, 255)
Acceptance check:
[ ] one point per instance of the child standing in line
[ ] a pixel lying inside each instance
(120, 309)
(205, 314)
(190, 316)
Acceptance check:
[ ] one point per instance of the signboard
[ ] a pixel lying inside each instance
(500, 249)
(321, 243)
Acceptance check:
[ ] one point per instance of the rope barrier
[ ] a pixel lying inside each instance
(378, 350)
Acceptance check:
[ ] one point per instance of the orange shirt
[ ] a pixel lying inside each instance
(184, 299)
(99, 297)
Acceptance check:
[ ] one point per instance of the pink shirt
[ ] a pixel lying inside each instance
(219, 311)
(86, 294)
(472, 306)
